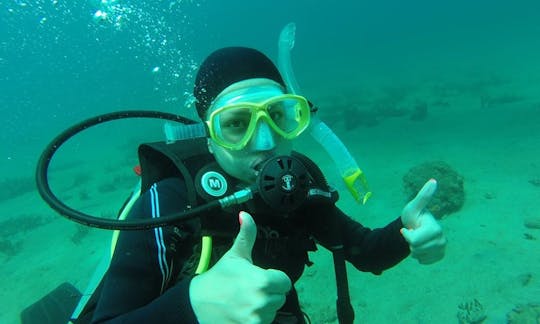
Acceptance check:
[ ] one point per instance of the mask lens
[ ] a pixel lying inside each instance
(287, 114)
(231, 125)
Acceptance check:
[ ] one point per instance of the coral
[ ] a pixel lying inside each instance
(419, 112)
(107, 187)
(524, 314)
(9, 248)
(19, 224)
(450, 194)
(489, 195)
(22, 223)
(471, 312)
(79, 180)
(355, 117)
(384, 110)
(505, 99)
(354, 111)
(81, 232)
(535, 182)
(14, 187)
(84, 195)
(525, 278)
(532, 223)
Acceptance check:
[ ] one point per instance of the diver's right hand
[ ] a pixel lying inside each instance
(236, 291)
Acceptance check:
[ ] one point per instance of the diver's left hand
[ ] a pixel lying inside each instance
(423, 233)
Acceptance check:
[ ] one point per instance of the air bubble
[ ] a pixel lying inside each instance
(100, 16)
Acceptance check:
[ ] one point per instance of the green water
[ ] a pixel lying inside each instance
(473, 66)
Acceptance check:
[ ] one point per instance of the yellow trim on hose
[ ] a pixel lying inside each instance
(136, 193)
(206, 244)
(206, 254)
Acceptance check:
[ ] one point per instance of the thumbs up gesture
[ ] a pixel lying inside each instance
(422, 232)
(236, 291)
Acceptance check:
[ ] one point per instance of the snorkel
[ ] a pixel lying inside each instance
(352, 175)
(348, 168)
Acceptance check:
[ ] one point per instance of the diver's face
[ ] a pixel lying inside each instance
(263, 144)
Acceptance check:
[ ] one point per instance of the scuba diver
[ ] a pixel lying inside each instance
(219, 226)
(259, 250)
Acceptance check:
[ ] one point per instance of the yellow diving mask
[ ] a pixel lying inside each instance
(232, 126)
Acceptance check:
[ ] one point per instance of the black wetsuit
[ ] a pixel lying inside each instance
(148, 281)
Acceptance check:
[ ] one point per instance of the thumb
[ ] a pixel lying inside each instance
(243, 244)
(410, 216)
(422, 198)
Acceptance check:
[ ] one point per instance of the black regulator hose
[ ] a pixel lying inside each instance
(50, 198)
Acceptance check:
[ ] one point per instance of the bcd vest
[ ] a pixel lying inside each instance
(283, 240)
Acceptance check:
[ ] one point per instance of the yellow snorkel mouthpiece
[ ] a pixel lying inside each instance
(350, 172)
(356, 183)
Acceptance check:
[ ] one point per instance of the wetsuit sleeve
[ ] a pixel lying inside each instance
(369, 250)
(142, 283)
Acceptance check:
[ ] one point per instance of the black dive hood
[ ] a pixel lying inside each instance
(282, 181)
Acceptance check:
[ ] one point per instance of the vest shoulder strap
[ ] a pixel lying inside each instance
(160, 160)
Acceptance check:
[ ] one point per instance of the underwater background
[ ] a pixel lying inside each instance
(403, 84)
